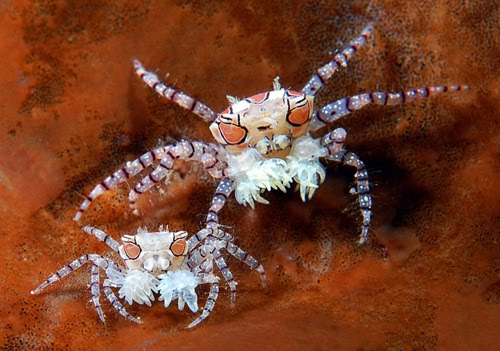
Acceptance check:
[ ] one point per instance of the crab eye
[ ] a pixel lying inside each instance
(232, 134)
(263, 109)
(132, 250)
(178, 247)
(258, 98)
(299, 114)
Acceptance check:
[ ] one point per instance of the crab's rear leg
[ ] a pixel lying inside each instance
(342, 107)
(200, 236)
(210, 158)
(340, 60)
(181, 99)
(362, 184)
(95, 290)
(226, 273)
(116, 304)
(244, 257)
(209, 305)
(130, 169)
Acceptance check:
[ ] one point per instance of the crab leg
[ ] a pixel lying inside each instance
(362, 186)
(226, 273)
(197, 151)
(211, 250)
(204, 233)
(130, 169)
(115, 303)
(70, 267)
(334, 141)
(342, 107)
(176, 96)
(102, 236)
(244, 257)
(209, 305)
(224, 189)
(340, 60)
(94, 288)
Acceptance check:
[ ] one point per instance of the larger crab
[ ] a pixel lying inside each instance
(264, 141)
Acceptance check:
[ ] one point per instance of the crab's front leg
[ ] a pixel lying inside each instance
(340, 60)
(180, 98)
(340, 108)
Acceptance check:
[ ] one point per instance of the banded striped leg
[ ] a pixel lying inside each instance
(342, 107)
(244, 257)
(340, 60)
(193, 151)
(130, 169)
(362, 187)
(70, 267)
(209, 305)
(224, 189)
(196, 239)
(102, 236)
(116, 304)
(176, 96)
(94, 288)
(334, 141)
(209, 252)
(226, 273)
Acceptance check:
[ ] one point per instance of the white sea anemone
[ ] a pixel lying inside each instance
(179, 285)
(253, 174)
(304, 165)
(135, 286)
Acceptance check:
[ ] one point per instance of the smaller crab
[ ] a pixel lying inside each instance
(163, 263)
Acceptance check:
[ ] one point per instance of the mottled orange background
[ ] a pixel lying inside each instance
(72, 111)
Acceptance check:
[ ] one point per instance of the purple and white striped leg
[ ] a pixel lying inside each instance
(116, 304)
(199, 237)
(340, 60)
(334, 141)
(189, 151)
(342, 107)
(70, 267)
(244, 257)
(181, 99)
(102, 236)
(209, 305)
(95, 290)
(226, 273)
(224, 189)
(98, 260)
(362, 186)
(130, 169)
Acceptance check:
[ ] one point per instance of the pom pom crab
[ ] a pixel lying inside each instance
(164, 263)
(264, 141)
